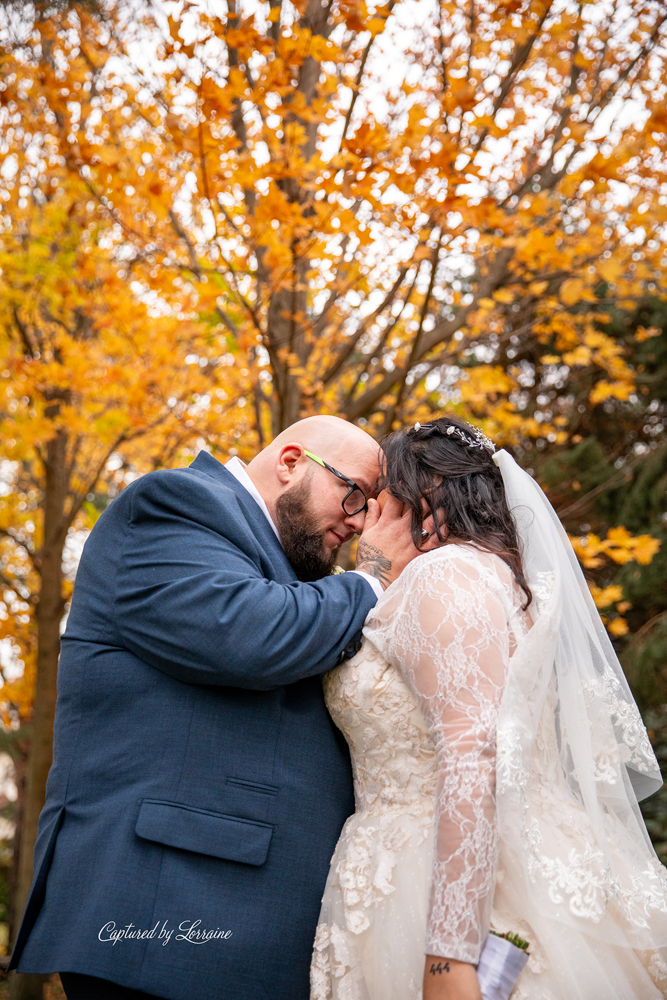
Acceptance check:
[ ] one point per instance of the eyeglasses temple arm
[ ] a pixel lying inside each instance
(314, 458)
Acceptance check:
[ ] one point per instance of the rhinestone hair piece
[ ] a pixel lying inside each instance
(475, 440)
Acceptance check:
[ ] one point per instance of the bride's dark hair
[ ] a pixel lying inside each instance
(454, 473)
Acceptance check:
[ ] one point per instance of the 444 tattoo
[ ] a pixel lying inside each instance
(439, 968)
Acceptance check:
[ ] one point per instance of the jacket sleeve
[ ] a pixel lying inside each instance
(193, 603)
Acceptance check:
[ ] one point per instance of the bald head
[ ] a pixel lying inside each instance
(331, 438)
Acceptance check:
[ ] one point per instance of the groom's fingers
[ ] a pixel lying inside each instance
(372, 514)
(431, 540)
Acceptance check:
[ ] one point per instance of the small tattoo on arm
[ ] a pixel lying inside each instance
(371, 560)
(439, 968)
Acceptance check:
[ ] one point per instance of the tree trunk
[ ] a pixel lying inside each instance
(20, 758)
(49, 614)
(287, 337)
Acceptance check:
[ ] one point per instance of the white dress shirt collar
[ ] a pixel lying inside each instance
(238, 470)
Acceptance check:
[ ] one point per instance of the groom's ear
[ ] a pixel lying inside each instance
(289, 457)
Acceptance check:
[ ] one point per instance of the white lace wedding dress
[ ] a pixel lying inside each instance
(426, 863)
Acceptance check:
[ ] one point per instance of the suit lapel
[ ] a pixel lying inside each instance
(205, 464)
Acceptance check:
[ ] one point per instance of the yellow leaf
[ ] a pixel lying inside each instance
(645, 548)
(604, 596)
(619, 536)
(422, 252)
(572, 291)
(606, 390)
(618, 627)
(503, 295)
(643, 334)
(376, 25)
(580, 356)
(610, 270)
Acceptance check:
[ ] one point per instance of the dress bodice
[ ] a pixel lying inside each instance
(436, 752)
(417, 706)
(392, 750)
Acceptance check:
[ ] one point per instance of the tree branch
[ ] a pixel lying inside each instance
(357, 83)
(181, 233)
(473, 28)
(79, 496)
(26, 336)
(619, 478)
(274, 30)
(204, 174)
(613, 87)
(495, 277)
(14, 586)
(350, 344)
(520, 57)
(4, 533)
(414, 352)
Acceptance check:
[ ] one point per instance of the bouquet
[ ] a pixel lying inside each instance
(500, 965)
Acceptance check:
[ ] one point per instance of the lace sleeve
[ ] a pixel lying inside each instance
(447, 632)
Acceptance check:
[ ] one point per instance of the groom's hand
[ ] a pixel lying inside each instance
(386, 546)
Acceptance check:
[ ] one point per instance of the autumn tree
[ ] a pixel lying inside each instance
(101, 379)
(379, 202)
(416, 206)
(376, 210)
(379, 191)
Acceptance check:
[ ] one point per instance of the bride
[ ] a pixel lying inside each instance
(498, 760)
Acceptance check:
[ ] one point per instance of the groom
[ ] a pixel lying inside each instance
(198, 785)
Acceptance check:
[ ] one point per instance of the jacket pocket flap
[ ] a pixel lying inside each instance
(229, 837)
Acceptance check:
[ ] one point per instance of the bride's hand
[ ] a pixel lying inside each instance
(448, 979)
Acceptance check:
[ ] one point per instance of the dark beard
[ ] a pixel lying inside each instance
(302, 543)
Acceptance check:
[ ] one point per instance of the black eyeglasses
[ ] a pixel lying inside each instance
(354, 500)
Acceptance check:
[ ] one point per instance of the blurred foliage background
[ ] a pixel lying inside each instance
(613, 472)
(217, 217)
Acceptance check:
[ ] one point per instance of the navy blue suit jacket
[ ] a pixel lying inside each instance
(198, 783)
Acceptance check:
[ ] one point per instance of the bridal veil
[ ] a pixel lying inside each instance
(574, 760)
